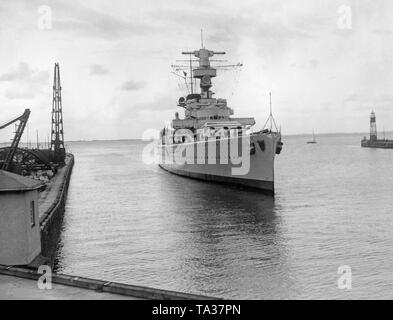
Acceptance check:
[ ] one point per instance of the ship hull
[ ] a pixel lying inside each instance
(255, 173)
(265, 186)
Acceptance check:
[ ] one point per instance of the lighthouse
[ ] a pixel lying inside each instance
(373, 126)
(374, 142)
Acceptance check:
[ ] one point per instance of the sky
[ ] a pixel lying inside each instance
(327, 63)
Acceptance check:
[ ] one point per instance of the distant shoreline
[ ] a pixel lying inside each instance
(361, 134)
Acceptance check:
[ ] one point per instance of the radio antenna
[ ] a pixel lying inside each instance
(271, 118)
(192, 85)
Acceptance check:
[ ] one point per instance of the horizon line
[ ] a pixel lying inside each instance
(140, 139)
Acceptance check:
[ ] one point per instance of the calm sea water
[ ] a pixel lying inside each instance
(130, 222)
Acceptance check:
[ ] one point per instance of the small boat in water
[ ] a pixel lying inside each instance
(313, 141)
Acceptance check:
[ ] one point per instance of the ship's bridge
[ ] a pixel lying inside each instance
(210, 130)
(216, 121)
(201, 109)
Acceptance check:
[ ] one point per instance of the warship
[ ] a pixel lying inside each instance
(209, 144)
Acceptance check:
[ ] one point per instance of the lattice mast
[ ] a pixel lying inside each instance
(205, 72)
(57, 134)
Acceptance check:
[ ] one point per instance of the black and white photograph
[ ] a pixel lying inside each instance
(196, 150)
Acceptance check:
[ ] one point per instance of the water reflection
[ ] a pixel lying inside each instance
(129, 222)
(225, 234)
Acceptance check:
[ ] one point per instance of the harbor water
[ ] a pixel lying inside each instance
(130, 222)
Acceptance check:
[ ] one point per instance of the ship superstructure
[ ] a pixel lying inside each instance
(209, 144)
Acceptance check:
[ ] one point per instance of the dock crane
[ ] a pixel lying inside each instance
(15, 142)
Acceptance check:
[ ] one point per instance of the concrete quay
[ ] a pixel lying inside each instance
(13, 288)
(51, 205)
(21, 283)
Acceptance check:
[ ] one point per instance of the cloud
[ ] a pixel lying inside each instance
(131, 39)
(383, 32)
(24, 82)
(314, 63)
(133, 85)
(89, 22)
(19, 93)
(364, 102)
(120, 109)
(311, 64)
(161, 101)
(97, 69)
(23, 72)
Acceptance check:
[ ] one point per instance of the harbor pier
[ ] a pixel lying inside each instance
(51, 207)
(31, 216)
(373, 141)
(33, 192)
(21, 283)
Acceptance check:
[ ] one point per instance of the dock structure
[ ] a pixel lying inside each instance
(19, 223)
(13, 288)
(32, 211)
(21, 283)
(374, 142)
(31, 217)
(30, 221)
(51, 205)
